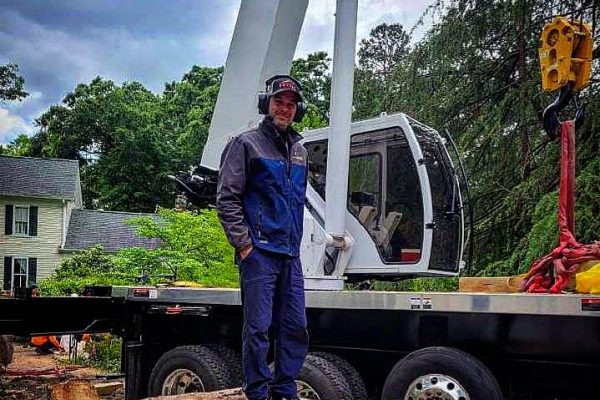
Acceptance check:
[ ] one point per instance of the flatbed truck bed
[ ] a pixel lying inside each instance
(537, 346)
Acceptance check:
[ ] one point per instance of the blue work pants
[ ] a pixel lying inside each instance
(272, 294)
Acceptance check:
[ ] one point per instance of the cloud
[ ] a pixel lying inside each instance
(318, 29)
(11, 125)
(61, 43)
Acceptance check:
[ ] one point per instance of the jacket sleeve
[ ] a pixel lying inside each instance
(230, 193)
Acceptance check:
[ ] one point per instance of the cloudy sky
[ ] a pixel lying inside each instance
(60, 43)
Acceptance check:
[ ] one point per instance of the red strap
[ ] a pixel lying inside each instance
(566, 200)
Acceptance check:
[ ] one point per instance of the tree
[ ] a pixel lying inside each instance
(193, 248)
(20, 146)
(11, 83)
(476, 73)
(121, 138)
(379, 57)
(88, 267)
(188, 105)
(313, 73)
(383, 49)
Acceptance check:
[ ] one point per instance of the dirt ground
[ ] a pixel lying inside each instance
(27, 384)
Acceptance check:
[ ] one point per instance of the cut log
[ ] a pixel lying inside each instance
(496, 284)
(73, 389)
(6, 350)
(229, 394)
(106, 388)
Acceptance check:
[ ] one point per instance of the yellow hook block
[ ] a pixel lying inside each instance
(566, 54)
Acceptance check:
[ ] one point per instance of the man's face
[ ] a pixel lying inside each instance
(282, 107)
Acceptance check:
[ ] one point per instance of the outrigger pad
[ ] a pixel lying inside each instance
(199, 184)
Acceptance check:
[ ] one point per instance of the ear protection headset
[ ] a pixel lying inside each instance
(263, 97)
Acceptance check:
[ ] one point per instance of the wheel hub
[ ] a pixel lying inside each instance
(182, 381)
(436, 387)
(306, 392)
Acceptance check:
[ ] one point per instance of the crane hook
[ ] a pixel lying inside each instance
(550, 117)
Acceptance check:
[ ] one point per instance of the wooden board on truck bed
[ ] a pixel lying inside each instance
(490, 284)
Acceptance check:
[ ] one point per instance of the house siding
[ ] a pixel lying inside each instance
(51, 229)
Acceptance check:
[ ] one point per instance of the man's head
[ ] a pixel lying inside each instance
(282, 100)
(282, 108)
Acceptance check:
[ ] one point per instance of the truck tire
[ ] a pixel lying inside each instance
(233, 361)
(319, 379)
(434, 370)
(188, 369)
(355, 382)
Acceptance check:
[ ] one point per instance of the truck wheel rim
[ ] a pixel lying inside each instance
(182, 381)
(306, 392)
(436, 387)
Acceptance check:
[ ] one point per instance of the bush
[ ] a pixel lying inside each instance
(87, 267)
(193, 248)
(104, 353)
(439, 284)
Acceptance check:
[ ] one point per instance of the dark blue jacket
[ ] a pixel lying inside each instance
(262, 183)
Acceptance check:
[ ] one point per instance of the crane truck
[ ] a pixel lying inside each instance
(384, 201)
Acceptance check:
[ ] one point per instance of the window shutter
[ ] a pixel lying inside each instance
(32, 271)
(7, 272)
(8, 219)
(33, 220)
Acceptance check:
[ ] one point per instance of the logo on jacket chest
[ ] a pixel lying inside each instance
(297, 156)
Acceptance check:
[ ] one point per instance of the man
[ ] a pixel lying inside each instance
(260, 202)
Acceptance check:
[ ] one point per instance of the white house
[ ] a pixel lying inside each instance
(43, 220)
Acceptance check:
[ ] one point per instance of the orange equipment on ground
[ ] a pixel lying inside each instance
(45, 342)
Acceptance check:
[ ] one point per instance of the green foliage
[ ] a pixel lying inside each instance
(20, 146)
(117, 135)
(475, 73)
(104, 353)
(188, 106)
(313, 74)
(87, 267)
(383, 49)
(11, 83)
(410, 285)
(193, 248)
(543, 235)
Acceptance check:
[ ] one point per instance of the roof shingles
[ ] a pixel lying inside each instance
(107, 228)
(38, 177)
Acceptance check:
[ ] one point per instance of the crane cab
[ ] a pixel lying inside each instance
(404, 209)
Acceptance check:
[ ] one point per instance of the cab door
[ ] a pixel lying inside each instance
(447, 222)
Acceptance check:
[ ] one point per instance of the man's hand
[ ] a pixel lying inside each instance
(245, 251)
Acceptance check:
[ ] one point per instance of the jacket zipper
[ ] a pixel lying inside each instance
(260, 207)
(290, 191)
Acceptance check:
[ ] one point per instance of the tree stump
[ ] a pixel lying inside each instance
(73, 389)
(6, 350)
(229, 394)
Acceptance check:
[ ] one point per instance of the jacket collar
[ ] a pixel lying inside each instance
(267, 126)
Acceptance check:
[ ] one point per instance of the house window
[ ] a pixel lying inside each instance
(21, 220)
(19, 272)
